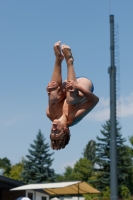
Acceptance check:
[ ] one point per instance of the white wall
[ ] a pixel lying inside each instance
(72, 198)
(37, 195)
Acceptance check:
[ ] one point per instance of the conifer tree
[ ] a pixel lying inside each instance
(103, 158)
(89, 151)
(37, 166)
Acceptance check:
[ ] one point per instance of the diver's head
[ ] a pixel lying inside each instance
(59, 136)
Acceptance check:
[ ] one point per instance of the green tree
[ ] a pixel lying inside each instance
(66, 176)
(131, 148)
(103, 157)
(89, 151)
(124, 192)
(130, 178)
(106, 193)
(92, 197)
(16, 170)
(5, 164)
(82, 170)
(37, 166)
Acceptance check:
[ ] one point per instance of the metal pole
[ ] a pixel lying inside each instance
(113, 146)
(35, 195)
(78, 191)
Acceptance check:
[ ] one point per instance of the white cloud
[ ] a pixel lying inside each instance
(127, 106)
(102, 111)
(100, 115)
(10, 121)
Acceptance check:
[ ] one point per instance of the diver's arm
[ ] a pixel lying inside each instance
(89, 95)
(73, 86)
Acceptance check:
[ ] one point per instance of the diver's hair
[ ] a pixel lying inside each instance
(62, 142)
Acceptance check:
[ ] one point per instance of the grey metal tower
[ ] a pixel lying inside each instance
(113, 146)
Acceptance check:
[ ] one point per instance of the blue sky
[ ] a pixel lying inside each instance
(28, 32)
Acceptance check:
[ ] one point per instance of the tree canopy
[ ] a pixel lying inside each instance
(124, 163)
(89, 151)
(37, 166)
(16, 170)
(82, 170)
(5, 164)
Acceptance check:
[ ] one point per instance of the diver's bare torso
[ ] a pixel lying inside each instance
(74, 105)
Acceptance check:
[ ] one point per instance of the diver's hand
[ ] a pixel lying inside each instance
(72, 85)
(51, 86)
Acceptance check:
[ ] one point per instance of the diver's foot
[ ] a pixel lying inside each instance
(67, 53)
(57, 51)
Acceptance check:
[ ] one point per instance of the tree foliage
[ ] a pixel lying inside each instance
(103, 157)
(66, 176)
(16, 170)
(124, 192)
(89, 151)
(82, 170)
(5, 164)
(130, 178)
(37, 166)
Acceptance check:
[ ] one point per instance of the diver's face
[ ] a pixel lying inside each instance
(57, 127)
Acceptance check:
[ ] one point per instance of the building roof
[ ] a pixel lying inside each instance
(8, 183)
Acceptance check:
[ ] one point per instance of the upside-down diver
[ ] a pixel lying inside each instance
(70, 100)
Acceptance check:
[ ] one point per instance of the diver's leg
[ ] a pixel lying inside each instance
(57, 76)
(69, 60)
(71, 93)
(54, 87)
